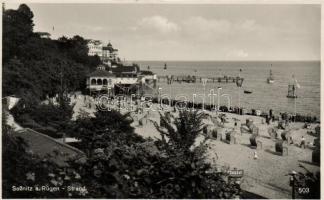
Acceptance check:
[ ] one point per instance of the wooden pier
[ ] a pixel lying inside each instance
(197, 79)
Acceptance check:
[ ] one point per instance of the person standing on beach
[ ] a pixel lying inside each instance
(302, 143)
(255, 155)
(267, 120)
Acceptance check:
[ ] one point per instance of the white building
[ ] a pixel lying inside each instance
(109, 54)
(118, 79)
(95, 48)
(101, 80)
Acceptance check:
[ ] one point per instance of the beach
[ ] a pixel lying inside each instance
(266, 176)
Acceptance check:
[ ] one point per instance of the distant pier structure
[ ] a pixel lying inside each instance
(197, 79)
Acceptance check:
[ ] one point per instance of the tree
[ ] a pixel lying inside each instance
(105, 127)
(181, 137)
(50, 119)
(17, 28)
(120, 167)
(35, 64)
(21, 167)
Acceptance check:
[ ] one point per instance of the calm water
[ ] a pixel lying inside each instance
(264, 96)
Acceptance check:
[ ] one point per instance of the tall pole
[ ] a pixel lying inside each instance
(195, 80)
(239, 93)
(159, 97)
(170, 91)
(239, 85)
(295, 96)
(295, 109)
(204, 81)
(293, 189)
(204, 96)
(218, 98)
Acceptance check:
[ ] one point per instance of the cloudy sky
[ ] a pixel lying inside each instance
(190, 31)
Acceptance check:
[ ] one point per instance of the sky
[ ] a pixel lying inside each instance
(189, 31)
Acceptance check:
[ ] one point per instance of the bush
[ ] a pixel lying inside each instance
(120, 165)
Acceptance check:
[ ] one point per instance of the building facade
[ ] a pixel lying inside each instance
(107, 54)
(101, 80)
(119, 79)
(113, 76)
(95, 48)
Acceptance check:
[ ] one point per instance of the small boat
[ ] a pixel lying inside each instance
(292, 88)
(247, 92)
(270, 79)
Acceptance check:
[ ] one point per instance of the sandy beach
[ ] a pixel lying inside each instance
(266, 175)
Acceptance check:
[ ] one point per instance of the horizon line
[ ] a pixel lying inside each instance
(172, 60)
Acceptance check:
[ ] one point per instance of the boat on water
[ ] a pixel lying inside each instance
(270, 79)
(247, 92)
(292, 88)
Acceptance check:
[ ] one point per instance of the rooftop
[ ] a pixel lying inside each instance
(101, 73)
(96, 42)
(43, 145)
(125, 69)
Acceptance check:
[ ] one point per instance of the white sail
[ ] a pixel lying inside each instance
(294, 82)
(297, 84)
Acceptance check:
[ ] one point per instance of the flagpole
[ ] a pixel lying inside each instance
(295, 109)
(240, 94)
(296, 85)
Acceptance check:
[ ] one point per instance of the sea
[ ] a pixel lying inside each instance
(264, 96)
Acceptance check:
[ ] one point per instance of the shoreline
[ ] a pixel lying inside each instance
(225, 109)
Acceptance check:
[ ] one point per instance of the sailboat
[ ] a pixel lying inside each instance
(292, 88)
(270, 79)
(165, 66)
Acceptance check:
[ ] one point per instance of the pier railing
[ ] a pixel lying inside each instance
(197, 79)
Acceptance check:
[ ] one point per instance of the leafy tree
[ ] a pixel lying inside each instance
(16, 78)
(182, 136)
(120, 167)
(17, 28)
(37, 65)
(50, 119)
(21, 167)
(105, 127)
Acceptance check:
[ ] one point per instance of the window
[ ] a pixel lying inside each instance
(99, 82)
(105, 82)
(93, 82)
